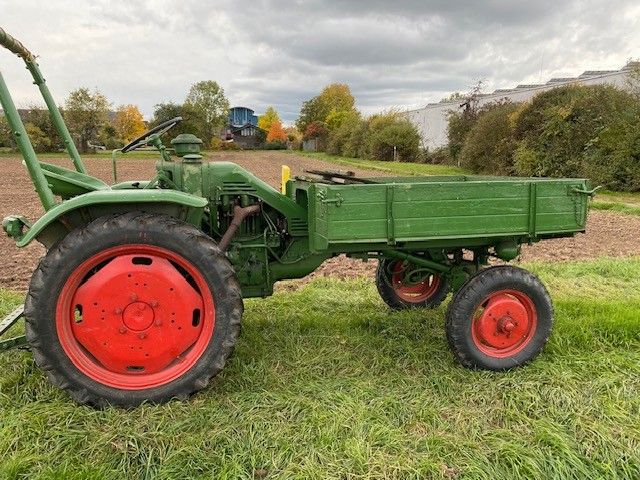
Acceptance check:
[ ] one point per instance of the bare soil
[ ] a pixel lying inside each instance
(608, 233)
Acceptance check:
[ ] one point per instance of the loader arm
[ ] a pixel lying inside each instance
(17, 127)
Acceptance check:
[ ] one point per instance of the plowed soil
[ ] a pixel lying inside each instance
(608, 233)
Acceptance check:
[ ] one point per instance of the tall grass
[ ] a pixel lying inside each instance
(395, 168)
(326, 382)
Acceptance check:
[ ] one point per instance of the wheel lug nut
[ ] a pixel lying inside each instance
(158, 322)
(133, 297)
(153, 304)
(123, 330)
(117, 311)
(142, 335)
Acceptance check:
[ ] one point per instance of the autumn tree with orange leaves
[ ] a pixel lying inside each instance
(276, 133)
(128, 123)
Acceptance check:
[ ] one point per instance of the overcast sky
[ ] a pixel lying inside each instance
(400, 54)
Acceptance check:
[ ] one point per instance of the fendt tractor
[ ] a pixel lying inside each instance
(139, 296)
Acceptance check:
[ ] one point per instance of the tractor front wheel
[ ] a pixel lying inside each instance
(400, 290)
(501, 318)
(131, 308)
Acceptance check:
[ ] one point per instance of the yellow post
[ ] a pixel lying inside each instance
(286, 175)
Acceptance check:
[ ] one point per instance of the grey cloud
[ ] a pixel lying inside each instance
(282, 52)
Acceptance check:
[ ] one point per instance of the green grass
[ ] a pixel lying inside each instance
(394, 168)
(621, 202)
(325, 384)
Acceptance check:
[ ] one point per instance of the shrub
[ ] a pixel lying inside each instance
(437, 156)
(581, 131)
(275, 145)
(340, 135)
(614, 159)
(219, 144)
(354, 145)
(490, 145)
(394, 134)
(458, 127)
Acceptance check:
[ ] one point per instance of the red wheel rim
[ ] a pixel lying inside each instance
(504, 323)
(135, 316)
(412, 292)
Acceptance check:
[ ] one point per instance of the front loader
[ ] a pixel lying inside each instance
(139, 296)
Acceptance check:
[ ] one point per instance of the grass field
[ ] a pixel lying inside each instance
(394, 168)
(325, 384)
(622, 202)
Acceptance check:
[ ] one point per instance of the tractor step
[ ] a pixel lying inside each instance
(6, 323)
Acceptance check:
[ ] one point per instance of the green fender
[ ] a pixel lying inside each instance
(115, 201)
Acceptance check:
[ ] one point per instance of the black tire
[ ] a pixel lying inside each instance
(473, 352)
(391, 297)
(135, 228)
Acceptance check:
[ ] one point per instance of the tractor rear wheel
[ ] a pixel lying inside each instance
(400, 292)
(501, 318)
(132, 308)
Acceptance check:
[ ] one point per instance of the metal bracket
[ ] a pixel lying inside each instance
(6, 323)
(590, 193)
(337, 201)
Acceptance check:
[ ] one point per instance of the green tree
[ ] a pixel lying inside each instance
(334, 98)
(208, 101)
(166, 111)
(268, 118)
(86, 113)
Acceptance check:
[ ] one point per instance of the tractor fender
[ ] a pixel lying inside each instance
(85, 208)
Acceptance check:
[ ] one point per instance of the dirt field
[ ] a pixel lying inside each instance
(608, 233)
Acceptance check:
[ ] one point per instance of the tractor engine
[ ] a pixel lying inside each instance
(250, 231)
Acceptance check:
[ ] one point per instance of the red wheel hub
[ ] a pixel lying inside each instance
(138, 316)
(412, 292)
(504, 323)
(135, 316)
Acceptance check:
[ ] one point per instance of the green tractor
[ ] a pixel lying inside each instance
(139, 297)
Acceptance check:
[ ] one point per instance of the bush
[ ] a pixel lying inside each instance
(221, 145)
(340, 135)
(459, 125)
(275, 145)
(614, 159)
(437, 156)
(391, 133)
(581, 131)
(490, 145)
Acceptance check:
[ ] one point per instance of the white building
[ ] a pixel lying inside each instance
(431, 120)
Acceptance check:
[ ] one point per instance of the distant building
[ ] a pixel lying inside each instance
(243, 129)
(432, 120)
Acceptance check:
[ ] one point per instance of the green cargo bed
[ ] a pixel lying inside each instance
(435, 209)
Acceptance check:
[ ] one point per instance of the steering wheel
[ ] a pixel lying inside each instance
(145, 138)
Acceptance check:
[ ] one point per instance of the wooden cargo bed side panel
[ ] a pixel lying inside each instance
(388, 213)
(558, 209)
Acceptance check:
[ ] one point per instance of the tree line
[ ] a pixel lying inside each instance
(338, 128)
(92, 123)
